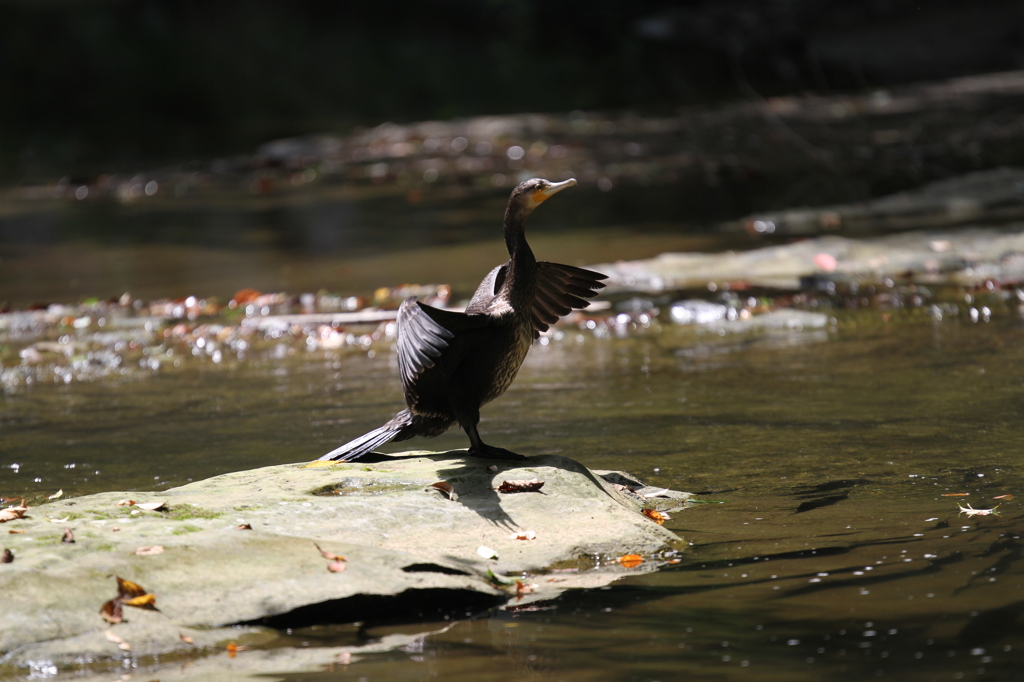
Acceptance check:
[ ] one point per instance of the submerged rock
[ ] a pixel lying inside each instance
(297, 545)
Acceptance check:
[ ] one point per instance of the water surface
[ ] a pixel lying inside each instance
(826, 549)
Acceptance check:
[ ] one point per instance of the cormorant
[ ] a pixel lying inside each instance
(452, 363)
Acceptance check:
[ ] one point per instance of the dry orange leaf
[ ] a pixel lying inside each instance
(631, 560)
(530, 486)
(126, 503)
(524, 588)
(186, 639)
(244, 526)
(126, 588)
(446, 488)
(243, 296)
(145, 601)
(1003, 497)
(524, 535)
(112, 612)
(656, 516)
(954, 494)
(150, 550)
(234, 649)
(15, 532)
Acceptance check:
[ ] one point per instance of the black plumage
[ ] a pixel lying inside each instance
(452, 363)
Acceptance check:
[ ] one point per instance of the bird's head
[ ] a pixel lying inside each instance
(531, 193)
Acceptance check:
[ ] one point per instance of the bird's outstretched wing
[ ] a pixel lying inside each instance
(428, 344)
(561, 289)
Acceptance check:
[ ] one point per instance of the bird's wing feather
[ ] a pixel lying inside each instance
(561, 289)
(428, 344)
(488, 288)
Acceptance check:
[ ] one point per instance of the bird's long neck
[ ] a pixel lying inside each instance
(522, 272)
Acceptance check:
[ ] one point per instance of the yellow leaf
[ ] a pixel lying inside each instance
(126, 588)
(145, 601)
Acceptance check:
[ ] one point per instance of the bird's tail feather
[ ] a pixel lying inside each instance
(367, 442)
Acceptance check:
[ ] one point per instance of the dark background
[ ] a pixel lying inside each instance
(94, 85)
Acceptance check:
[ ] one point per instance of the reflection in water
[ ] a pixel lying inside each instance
(825, 548)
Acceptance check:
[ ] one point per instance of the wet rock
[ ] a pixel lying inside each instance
(248, 550)
(961, 257)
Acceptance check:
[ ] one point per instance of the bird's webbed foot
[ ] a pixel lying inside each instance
(491, 452)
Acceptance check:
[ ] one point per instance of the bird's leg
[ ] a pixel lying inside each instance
(478, 448)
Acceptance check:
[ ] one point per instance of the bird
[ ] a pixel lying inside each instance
(452, 363)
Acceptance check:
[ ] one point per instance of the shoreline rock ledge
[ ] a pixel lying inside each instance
(241, 556)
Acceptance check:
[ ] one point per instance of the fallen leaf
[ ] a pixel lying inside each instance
(531, 486)
(499, 579)
(186, 639)
(150, 550)
(126, 588)
(826, 261)
(486, 552)
(13, 513)
(112, 612)
(145, 601)
(234, 649)
(329, 555)
(126, 503)
(337, 566)
(1003, 497)
(524, 535)
(244, 526)
(243, 296)
(57, 495)
(631, 560)
(64, 520)
(115, 528)
(15, 532)
(151, 506)
(971, 511)
(523, 588)
(345, 657)
(121, 644)
(656, 516)
(446, 488)
(317, 463)
(7, 557)
(68, 537)
(954, 494)
(655, 493)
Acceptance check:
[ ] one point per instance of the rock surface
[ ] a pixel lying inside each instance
(410, 551)
(955, 257)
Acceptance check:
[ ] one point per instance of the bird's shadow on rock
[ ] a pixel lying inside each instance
(470, 478)
(473, 483)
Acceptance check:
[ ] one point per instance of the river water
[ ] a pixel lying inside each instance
(831, 464)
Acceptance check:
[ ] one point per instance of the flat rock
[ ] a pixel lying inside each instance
(955, 257)
(409, 550)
